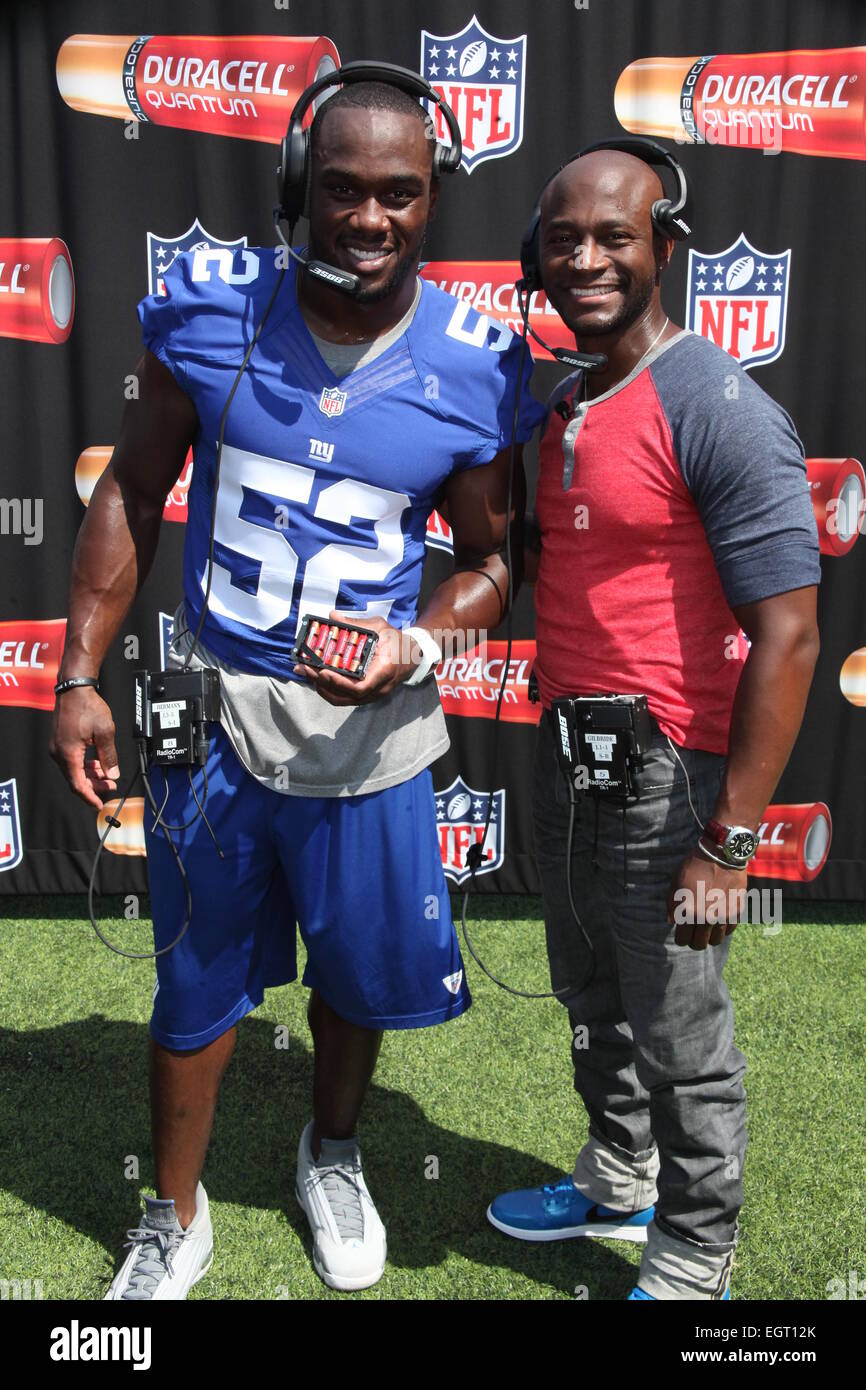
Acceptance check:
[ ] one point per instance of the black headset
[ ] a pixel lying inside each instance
(666, 212)
(294, 169)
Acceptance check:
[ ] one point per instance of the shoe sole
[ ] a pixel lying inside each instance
(342, 1283)
(597, 1231)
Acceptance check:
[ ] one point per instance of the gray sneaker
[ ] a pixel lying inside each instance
(349, 1245)
(165, 1260)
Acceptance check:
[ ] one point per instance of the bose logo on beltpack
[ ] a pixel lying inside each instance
(321, 449)
(563, 734)
(224, 258)
(75, 1343)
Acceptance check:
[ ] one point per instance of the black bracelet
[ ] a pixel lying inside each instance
(73, 681)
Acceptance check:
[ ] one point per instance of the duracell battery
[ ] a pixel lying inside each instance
(794, 842)
(128, 836)
(838, 491)
(804, 101)
(852, 677)
(243, 85)
(37, 289)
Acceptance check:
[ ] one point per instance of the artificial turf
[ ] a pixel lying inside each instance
(455, 1114)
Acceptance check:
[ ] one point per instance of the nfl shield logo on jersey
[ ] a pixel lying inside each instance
(481, 79)
(460, 816)
(332, 400)
(11, 849)
(738, 299)
(162, 251)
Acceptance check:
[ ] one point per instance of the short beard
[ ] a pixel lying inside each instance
(633, 307)
(402, 271)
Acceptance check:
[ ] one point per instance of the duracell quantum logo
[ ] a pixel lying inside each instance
(240, 85)
(469, 683)
(37, 289)
(489, 287)
(804, 101)
(92, 463)
(30, 655)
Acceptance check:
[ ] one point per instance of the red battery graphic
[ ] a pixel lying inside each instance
(805, 100)
(37, 289)
(794, 842)
(244, 85)
(30, 653)
(838, 488)
(852, 677)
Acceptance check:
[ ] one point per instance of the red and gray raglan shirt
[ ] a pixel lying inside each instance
(663, 504)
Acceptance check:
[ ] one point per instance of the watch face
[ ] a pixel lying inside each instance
(741, 844)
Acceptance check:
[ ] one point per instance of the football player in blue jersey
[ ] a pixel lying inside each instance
(353, 416)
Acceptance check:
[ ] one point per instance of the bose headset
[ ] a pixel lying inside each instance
(293, 173)
(293, 177)
(668, 222)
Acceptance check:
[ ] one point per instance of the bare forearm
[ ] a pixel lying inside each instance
(469, 602)
(766, 718)
(112, 557)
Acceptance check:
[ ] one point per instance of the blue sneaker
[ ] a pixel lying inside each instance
(638, 1294)
(559, 1212)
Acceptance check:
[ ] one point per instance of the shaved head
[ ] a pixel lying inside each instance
(622, 177)
(601, 256)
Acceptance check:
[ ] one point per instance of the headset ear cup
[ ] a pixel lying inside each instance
(295, 173)
(530, 253)
(663, 221)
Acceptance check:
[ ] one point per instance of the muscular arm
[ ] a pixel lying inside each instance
(770, 700)
(112, 557)
(474, 597)
(766, 717)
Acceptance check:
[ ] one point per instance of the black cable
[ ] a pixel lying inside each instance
(141, 771)
(475, 854)
(216, 477)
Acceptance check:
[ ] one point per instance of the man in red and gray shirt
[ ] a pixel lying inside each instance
(673, 510)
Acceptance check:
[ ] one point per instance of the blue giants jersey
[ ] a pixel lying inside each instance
(325, 483)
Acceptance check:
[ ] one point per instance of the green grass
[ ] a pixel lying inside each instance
(489, 1096)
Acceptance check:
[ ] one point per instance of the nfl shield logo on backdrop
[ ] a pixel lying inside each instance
(332, 400)
(11, 849)
(482, 80)
(460, 816)
(162, 251)
(738, 299)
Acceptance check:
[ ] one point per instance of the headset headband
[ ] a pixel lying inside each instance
(293, 173)
(665, 212)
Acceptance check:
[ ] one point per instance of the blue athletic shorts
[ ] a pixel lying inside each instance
(360, 875)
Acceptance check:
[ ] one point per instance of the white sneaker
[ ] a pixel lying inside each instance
(165, 1260)
(349, 1245)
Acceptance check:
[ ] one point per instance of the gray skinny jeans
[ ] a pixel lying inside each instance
(653, 1032)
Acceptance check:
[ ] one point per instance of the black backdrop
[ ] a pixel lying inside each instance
(78, 176)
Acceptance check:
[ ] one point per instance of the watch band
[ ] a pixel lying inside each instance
(431, 654)
(725, 863)
(72, 681)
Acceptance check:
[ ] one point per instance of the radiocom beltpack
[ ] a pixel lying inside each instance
(172, 712)
(603, 736)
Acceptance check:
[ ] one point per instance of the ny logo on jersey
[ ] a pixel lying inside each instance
(332, 400)
(320, 449)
